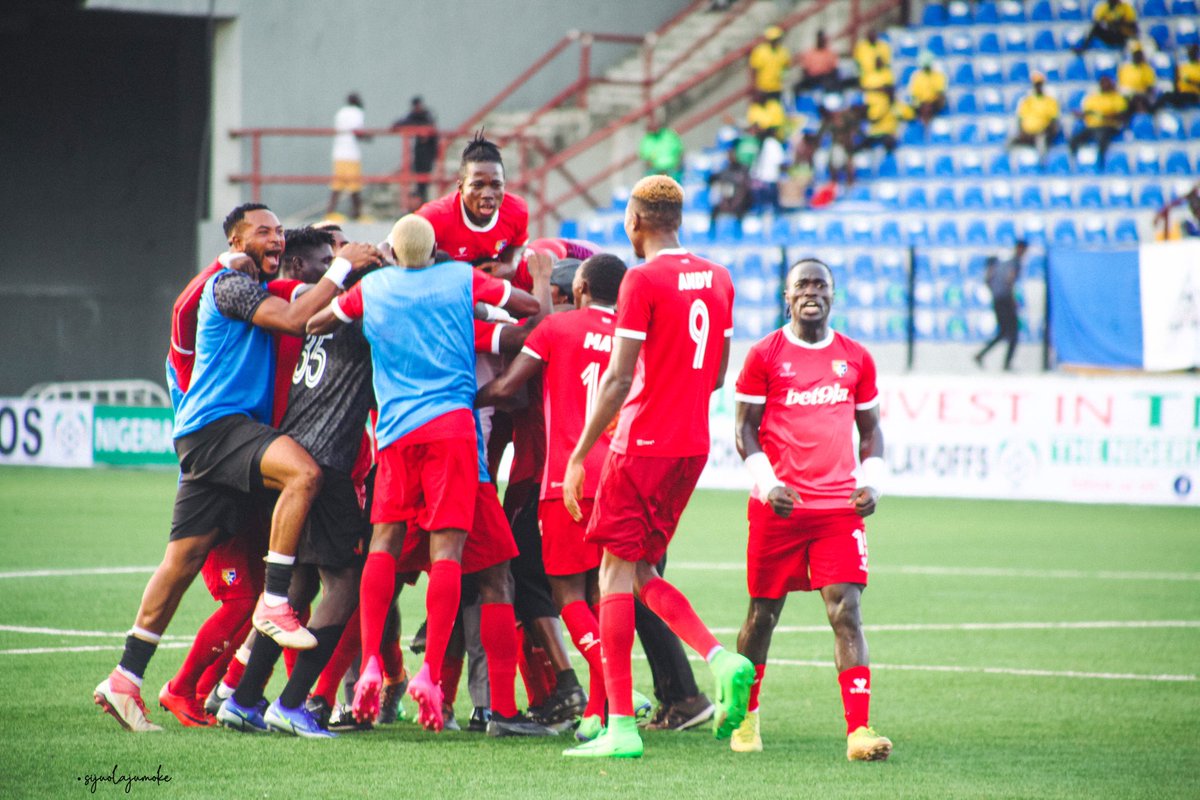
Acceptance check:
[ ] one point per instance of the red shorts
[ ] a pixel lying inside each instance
(806, 551)
(489, 539)
(564, 552)
(639, 502)
(429, 485)
(234, 568)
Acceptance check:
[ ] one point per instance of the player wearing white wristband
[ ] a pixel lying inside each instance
(801, 392)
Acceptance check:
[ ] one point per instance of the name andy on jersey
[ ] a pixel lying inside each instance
(822, 395)
(695, 280)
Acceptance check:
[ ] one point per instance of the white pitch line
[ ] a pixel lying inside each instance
(974, 572)
(69, 632)
(992, 626)
(35, 651)
(57, 573)
(1032, 673)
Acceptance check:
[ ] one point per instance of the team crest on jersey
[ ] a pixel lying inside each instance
(500, 245)
(229, 576)
(787, 370)
(840, 367)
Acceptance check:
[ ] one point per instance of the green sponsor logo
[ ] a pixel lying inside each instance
(129, 435)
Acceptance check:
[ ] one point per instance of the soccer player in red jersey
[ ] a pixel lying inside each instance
(801, 390)
(670, 351)
(571, 351)
(480, 223)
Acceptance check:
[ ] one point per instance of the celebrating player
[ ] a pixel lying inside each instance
(226, 451)
(575, 348)
(800, 390)
(670, 350)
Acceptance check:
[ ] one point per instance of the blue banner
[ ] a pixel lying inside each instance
(1095, 307)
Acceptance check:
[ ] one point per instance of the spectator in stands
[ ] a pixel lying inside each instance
(794, 189)
(868, 52)
(766, 113)
(1037, 118)
(662, 150)
(841, 124)
(880, 77)
(882, 117)
(927, 88)
(767, 170)
(1001, 278)
(1104, 113)
(1186, 90)
(746, 149)
(1136, 80)
(424, 147)
(769, 60)
(820, 67)
(729, 192)
(1190, 228)
(1114, 22)
(347, 156)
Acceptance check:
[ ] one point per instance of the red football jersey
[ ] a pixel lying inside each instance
(464, 240)
(811, 392)
(681, 307)
(287, 351)
(575, 347)
(182, 355)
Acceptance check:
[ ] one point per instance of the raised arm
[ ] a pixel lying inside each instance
(503, 387)
(275, 314)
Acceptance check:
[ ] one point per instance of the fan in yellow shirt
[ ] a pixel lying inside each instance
(1104, 113)
(1137, 79)
(1186, 93)
(1114, 22)
(767, 113)
(868, 52)
(1037, 118)
(768, 61)
(882, 119)
(878, 78)
(927, 87)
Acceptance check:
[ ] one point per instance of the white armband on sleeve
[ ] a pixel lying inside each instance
(338, 271)
(497, 314)
(873, 472)
(764, 474)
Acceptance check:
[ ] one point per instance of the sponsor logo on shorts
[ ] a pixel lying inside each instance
(229, 576)
(821, 396)
(644, 442)
(860, 686)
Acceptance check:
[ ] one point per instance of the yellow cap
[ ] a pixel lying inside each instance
(773, 32)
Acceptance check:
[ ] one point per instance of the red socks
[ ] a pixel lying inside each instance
(759, 669)
(616, 646)
(393, 659)
(343, 656)
(215, 636)
(498, 634)
(669, 603)
(451, 675)
(441, 609)
(856, 696)
(374, 600)
(585, 633)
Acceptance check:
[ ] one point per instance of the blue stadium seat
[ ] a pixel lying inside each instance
(1142, 127)
(970, 163)
(617, 233)
(906, 74)
(1094, 231)
(947, 233)
(1170, 125)
(1019, 72)
(1090, 197)
(861, 231)
(1028, 162)
(1154, 8)
(864, 267)
(888, 167)
(1185, 32)
(914, 133)
(1033, 231)
(993, 102)
(1015, 41)
(889, 232)
(1177, 163)
(1042, 11)
(944, 198)
(1012, 12)
(989, 44)
(1049, 68)
(936, 44)
(941, 131)
(753, 230)
(780, 233)
(986, 13)
(1116, 164)
(1044, 41)
(1065, 233)
(888, 194)
(1000, 165)
(806, 105)
(968, 133)
(1077, 70)
(1161, 34)
(996, 131)
(958, 13)
(1125, 230)
(907, 45)
(1070, 11)
(989, 73)
(1073, 37)
(1151, 196)
(912, 164)
(915, 197)
(973, 196)
(943, 165)
(1031, 197)
(916, 232)
(597, 231)
(1060, 194)
(835, 231)
(806, 229)
(1005, 233)
(1058, 163)
(964, 75)
(568, 229)
(934, 15)
(1194, 131)
(1105, 66)
(1120, 194)
(966, 104)
(1075, 100)
(977, 232)
(1183, 8)
(1002, 194)
(1087, 161)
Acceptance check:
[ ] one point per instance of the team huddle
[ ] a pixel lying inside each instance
(340, 409)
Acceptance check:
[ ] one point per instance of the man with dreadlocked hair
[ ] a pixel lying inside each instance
(480, 223)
